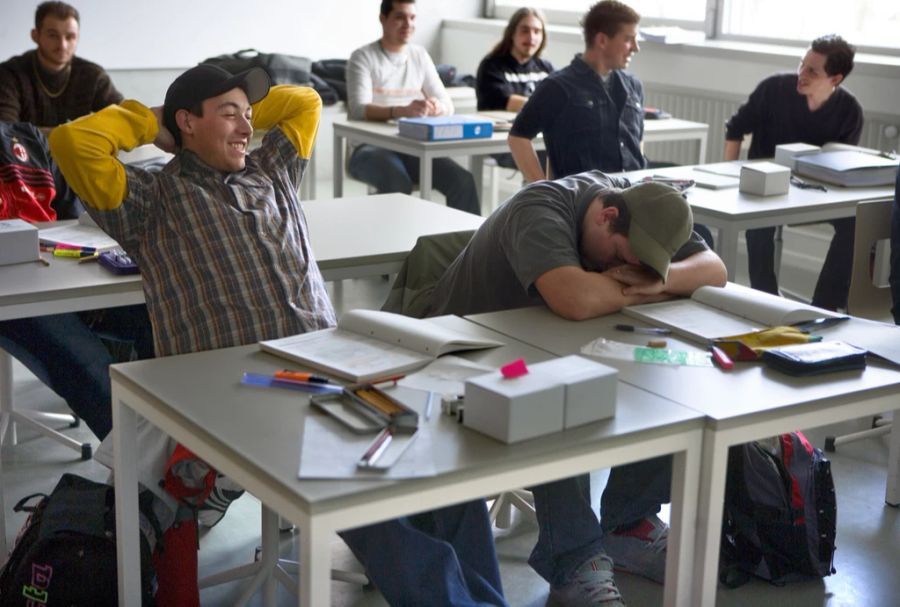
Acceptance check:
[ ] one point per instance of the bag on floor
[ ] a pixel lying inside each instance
(65, 554)
(780, 512)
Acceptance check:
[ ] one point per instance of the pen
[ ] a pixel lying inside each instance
(300, 376)
(91, 257)
(384, 380)
(378, 447)
(71, 253)
(720, 358)
(644, 330)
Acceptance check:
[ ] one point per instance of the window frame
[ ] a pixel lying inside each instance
(712, 26)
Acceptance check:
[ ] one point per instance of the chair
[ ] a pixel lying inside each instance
(866, 299)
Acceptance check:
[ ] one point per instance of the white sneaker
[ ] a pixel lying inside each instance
(591, 585)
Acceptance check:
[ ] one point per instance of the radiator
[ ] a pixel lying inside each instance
(716, 109)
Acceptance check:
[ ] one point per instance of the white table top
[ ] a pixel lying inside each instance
(749, 389)
(351, 237)
(731, 204)
(203, 393)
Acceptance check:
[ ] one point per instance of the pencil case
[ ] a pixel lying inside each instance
(366, 408)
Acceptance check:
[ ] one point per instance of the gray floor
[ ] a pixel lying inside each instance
(868, 539)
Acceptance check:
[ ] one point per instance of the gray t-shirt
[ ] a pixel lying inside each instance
(537, 230)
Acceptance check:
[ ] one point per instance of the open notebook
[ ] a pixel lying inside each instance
(370, 344)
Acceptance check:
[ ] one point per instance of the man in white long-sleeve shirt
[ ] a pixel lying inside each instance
(392, 78)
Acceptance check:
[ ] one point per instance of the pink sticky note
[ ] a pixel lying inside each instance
(514, 369)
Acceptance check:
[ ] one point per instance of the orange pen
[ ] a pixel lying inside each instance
(300, 376)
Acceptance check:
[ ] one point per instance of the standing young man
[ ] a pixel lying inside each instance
(585, 247)
(49, 85)
(392, 78)
(592, 111)
(811, 107)
(224, 248)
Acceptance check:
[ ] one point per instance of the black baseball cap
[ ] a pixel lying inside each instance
(204, 81)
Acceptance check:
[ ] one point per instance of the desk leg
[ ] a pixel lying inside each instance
(338, 168)
(8, 427)
(892, 494)
(709, 518)
(726, 247)
(682, 533)
(127, 533)
(425, 172)
(315, 564)
(476, 166)
(701, 143)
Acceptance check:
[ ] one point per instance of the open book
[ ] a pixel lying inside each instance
(370, 344)
(713, 312)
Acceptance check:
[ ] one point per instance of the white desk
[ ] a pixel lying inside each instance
(351, 238)
(748, 403)
(252, 435)
(731, 212)
(385, 136)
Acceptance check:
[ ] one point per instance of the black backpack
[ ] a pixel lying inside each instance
(780, 513)
(65, 554)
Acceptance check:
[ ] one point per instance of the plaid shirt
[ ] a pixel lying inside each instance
(226, 260)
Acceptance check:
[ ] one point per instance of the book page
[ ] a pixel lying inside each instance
(346, 354)
(413, 333)
(78, 235)
(760, 307)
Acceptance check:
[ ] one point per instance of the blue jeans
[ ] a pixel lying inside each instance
(442, 557)
(389, 171)
(834, 279)
(569, 532)
(65, 352)
(895, 252)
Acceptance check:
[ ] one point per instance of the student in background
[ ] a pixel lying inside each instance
(895, 252)
(392, 78)
(223, 245)
(809, 106)
(49, 85)
(508, 75)
(65, 351)
(585, 247)
(592, 111)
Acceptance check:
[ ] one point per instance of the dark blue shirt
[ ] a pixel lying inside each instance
(586, 126)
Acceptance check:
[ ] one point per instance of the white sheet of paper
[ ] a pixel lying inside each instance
(446, 375)
(331, 451)
(79, 235)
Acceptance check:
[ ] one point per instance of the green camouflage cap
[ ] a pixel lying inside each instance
(661, 222)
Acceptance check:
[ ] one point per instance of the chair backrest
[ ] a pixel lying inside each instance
(866, 299)
(432, 254)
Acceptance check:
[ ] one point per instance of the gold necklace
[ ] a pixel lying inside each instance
(43, 86)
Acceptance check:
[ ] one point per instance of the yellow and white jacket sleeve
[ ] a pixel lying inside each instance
(86, 149)
(294, 109)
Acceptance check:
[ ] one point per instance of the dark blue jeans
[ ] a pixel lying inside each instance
(895, 252)
(65, 352)
(442, 557)
(389, 171)
(834, 279)
(569, 532)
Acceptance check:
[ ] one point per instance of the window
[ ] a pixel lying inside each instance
(869, 24)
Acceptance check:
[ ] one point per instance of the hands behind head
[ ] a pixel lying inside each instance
(164, 139)
(636, 280)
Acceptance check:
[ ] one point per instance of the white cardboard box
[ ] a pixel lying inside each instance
(18, 242)
(513, 410)
(786, 153)
(764, 179)
(590, 388)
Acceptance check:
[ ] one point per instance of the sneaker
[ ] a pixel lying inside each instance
(592, 585)
(641, 549)
(213, 509)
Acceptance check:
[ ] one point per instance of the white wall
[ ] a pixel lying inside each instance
(162, 37)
